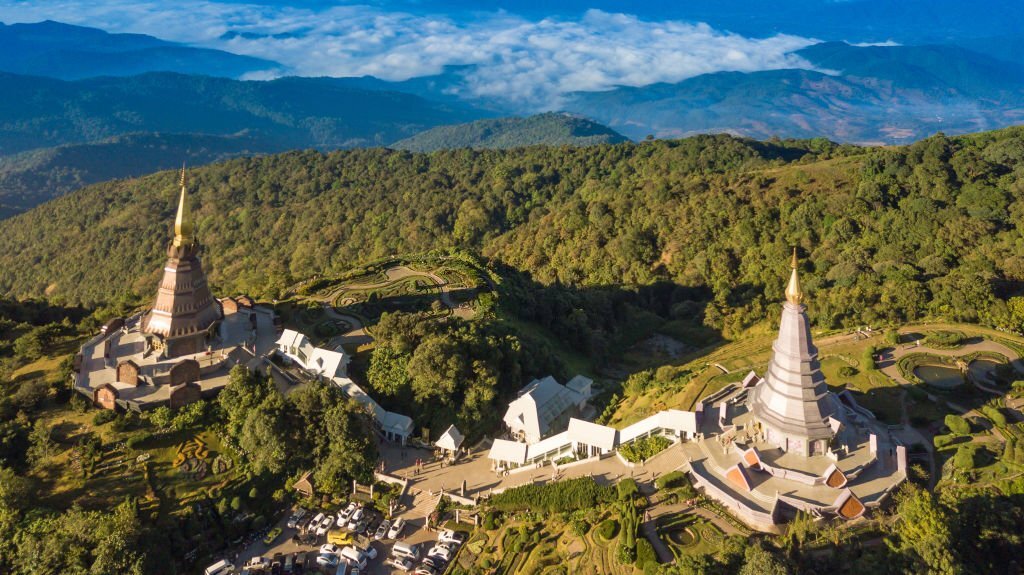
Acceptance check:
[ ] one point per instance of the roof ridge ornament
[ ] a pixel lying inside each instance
(794, 294)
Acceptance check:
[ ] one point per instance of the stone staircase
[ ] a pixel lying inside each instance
(421, 506)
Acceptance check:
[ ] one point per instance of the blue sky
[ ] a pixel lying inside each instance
(531, 51)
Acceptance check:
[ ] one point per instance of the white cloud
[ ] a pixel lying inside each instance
(869, 44)
(528, 63)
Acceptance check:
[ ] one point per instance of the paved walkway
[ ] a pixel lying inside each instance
(475, 470)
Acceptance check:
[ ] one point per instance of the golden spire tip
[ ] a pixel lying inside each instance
(793, 292)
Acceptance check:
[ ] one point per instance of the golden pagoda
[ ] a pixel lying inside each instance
(184, 314)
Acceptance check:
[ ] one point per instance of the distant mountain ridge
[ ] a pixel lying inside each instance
(37, 176)
(58, 50)
(551, 129)
(285, 113)
(882, 95)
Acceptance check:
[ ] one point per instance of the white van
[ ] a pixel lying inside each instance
(354, 557)
(403, 549)
(222, 567)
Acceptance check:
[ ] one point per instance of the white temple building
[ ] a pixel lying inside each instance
(326, 363)
(545, 406)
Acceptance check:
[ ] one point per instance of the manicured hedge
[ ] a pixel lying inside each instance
(559, 497)
(671, 479)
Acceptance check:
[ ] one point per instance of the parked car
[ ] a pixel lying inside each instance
(442, 551)
(257, 563)
(296, 517)
(325, 525)
(271, 536)
(370, 551)
(382, 530)
(355, 557)
(220, 568)
(396, 528)
(346, 513)
(327, 560)
(451, 536)
(358, 514)
(357, 527)
(329, 549)
(403, 549)
(289, 564)
(425, 570)
(314, 523)
(434, 562)
(402, 563)
(339, 537)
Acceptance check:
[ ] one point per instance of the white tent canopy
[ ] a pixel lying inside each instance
(451, 439)
(508, 451)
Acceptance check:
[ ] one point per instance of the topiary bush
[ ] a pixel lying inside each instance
(627, 488)
(645, 554)
(964, 458)
(580, 527)
(491, 521)
(945, 339)
(995, 415)
(957, 424)
(608, 529)
(105, 416)
(626, 554)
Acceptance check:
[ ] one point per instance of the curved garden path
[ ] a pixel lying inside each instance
(358, 333)
(889, 365)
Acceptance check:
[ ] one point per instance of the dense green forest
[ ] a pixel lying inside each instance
(888, 234)
(550, 128)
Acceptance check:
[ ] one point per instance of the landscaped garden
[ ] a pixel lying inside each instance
(687, 534)
(573, 526)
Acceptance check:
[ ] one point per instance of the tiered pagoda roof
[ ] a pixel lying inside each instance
(794, 400)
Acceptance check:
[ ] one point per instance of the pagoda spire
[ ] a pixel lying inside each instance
(183, 222)
(793, 292)
(793, 403)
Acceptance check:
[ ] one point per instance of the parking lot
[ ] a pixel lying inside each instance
(296, 549)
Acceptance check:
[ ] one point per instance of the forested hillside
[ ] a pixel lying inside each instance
(31, 178)
(888, 234)
(552, 128)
